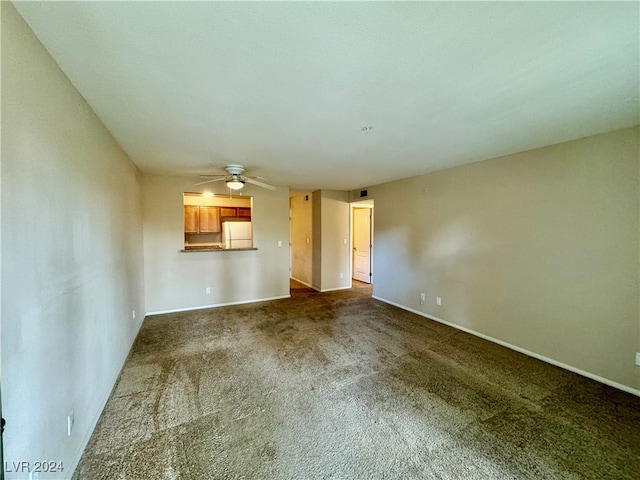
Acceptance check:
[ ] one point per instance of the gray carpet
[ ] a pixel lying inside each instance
(340, 386)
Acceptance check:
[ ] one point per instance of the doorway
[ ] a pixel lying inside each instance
(362, 234)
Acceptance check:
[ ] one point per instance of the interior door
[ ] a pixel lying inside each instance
(362, 244)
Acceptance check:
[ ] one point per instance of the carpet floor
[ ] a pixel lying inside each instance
(338, 385)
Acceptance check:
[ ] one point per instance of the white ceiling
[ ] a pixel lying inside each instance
(284, 88)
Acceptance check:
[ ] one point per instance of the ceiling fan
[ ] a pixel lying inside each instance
(235, 179)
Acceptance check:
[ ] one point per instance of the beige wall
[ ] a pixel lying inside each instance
(301, 250)
(175, 280)
(217, 201)
(71, 256)
(324, 219)
(336, 246)
(316, 240)
(538, 250)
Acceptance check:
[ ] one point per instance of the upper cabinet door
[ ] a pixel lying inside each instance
(209, 220)
(244, 212)
(191, 222)
(227, 211)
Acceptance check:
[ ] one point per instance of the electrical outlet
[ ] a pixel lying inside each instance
(207, 290)
(341, 275)
(638, 358)
(70, 421)
(279, 243)
(438, 301)
(422, 298)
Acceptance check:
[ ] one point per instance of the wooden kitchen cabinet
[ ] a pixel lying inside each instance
(201, 219)
(191, 219)
(227, 211)
(244, 212)
(236, 212)
(209, 220)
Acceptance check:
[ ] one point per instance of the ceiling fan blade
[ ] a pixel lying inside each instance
(260, 184)
(210, 181)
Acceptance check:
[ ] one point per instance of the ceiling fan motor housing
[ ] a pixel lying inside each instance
(234, 170)
(235, 175)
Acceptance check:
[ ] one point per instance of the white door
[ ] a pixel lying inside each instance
(362, 244)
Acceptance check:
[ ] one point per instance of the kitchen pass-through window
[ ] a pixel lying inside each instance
(217, 222)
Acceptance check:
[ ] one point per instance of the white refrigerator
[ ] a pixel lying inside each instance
(237, 235)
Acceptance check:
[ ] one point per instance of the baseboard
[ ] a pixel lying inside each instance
(70, 470)
(318, 289)
(216, 305)
(537, 356)
(334, 289)
(304, 283)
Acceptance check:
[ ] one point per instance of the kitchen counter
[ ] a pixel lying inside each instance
(210, 248)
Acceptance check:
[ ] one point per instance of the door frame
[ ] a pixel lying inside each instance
(358, 205)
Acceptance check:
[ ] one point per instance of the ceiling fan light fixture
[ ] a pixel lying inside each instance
(235, 184)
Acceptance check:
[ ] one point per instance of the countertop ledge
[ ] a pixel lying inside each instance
(195, 250)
